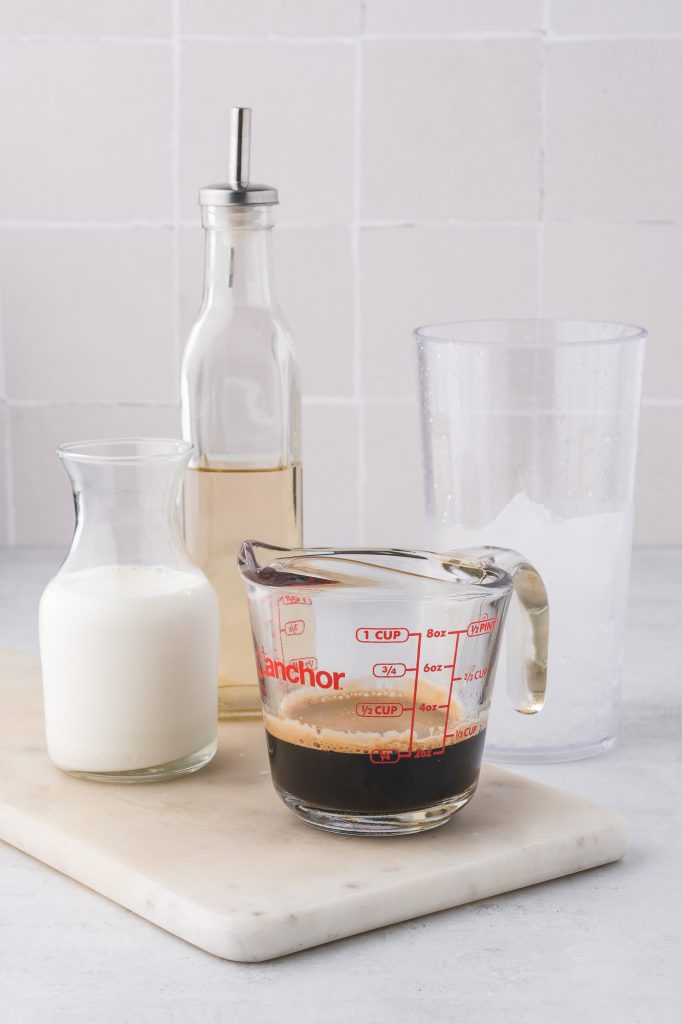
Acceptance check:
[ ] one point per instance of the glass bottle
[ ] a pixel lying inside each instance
(240, 410)
(128, 626)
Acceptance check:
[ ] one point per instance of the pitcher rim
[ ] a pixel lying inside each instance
(622, 333)
(250, 567)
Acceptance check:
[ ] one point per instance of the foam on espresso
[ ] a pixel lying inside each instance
(347, 722)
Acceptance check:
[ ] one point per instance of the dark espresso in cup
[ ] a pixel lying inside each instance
(351, 752)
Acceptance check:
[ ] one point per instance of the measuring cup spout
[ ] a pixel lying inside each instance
(272, 566)
(527, 632)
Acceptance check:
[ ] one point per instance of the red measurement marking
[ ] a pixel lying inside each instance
(383, 635)
(466, 731)
(389, 669)
(378, 710)
(416, 684)
(484, 625)
(294, 628)
(452, 680)
(303, 662)
(384, 756)
(294, 599)
(474, 674)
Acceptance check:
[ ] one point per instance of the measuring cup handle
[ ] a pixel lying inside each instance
(527, 633)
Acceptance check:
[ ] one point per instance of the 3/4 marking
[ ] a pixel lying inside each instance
(389, 670)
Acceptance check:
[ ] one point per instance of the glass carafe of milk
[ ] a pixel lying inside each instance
(128, 626)
(240, 410)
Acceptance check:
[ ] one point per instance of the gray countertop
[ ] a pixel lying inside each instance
(600, 946)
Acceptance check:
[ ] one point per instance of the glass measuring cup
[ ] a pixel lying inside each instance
(376, 670)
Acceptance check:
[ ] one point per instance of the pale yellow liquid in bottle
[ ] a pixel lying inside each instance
(222, 508)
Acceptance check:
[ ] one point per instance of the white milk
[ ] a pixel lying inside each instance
(584, 562)
(129, 658)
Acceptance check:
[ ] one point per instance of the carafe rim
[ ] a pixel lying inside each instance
(98, 451)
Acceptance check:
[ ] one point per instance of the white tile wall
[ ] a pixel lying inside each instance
(419, 274)
(451, 129)
(86, 128)
(435, 158)
(67, 340)
(43, 511)
(614, 147)
(616, 16)
(302, 130)
(331, 485)
(4, 474)
(628, 272)
(414, 17)
(660, 471)
(271, 17)
(393, 508)
(84, 18)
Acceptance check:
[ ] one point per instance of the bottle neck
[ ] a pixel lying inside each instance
(238, 266)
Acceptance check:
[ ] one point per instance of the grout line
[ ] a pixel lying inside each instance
(8, 465)
(85, 403)
(82, 225)
(541, 240)
(350, 401)
(662, 403)
(361, 474)
(175, 161)
(605, 37)
(449, 222)
(347, 401)
(87, 40)
(342, 401)
(346, 40)
(10, 513)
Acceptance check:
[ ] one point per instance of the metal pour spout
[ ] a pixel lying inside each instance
(239, 190)
(240, 147)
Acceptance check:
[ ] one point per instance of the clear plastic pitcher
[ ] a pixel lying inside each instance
(376, 671)
(530, 436)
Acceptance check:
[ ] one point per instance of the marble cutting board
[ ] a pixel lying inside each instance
(216, 859)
